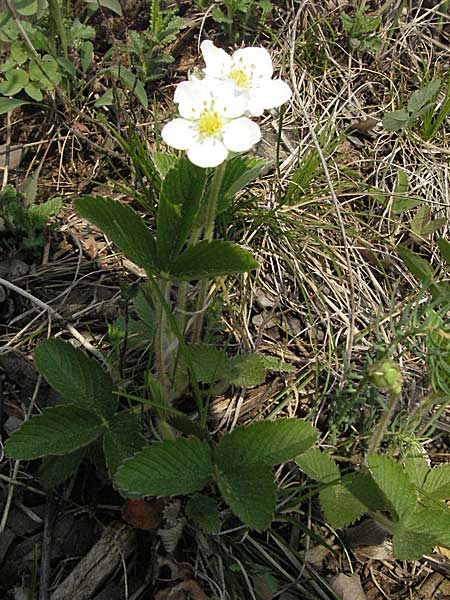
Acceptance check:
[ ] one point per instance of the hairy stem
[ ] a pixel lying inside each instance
(208, 235)
(381, 427)
(160, 359)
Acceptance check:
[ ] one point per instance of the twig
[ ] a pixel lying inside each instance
(74, 332)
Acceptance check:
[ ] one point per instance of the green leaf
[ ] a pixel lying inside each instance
(417, 469)
(106, 99)
(219, 16)
(444, 247)
(204, 512)
(318, 466)
(396, 120)
(250, 492)
(423, 271)
(264, 443)
(166, 468)
(420, 531)
(47, 74)
(16, 80)
(395, 484)
(419, 267)
(340, 507)
(9, 104)
(179, 201)
(246, 370)
(86, 54)
(163, 162)
(123, 226)
(79, 379)
(239, 172)
(212, 364)
(437, 483)
(131, 82)
(212, 259)
(56, 469)
(67, 65)
(19, 53)
(422, 97)
(363, 487)
(122, 439)
(44, 210)
(401, 201)
(26, 8)
(33, 91)
(58, 430)
(273, 363)
(113, 5)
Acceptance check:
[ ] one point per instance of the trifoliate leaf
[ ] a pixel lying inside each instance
(122, 439)
(395, 484)
(212, 259)
(123, 226)
(340, 507)
(179, 201)
(204, 512)
(250, 492)
(58, 430)
(318, 466)
(56, 469)
(437, 483)
(265, 443)
(417, 469)
(419, 531)
(166, 468)
(78, 379)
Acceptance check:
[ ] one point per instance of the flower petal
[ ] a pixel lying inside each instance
(180, 134)
(256, 60)
(192, 98)
(217, 61)
(272, 93)
(208, 152)
(229, 101)
(241, 134)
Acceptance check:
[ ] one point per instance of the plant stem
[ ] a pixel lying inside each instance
(160, 359)
(381, 428)
(208, 235)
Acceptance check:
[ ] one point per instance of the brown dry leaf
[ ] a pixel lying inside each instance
(379, 552)
(443, 552)
(348, 587)
(141, 514)
(316, 555)
(11, 158)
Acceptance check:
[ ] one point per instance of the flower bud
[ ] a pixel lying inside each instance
(386, 376)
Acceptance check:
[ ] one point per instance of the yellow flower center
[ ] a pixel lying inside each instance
(209, 123)
(240, 77)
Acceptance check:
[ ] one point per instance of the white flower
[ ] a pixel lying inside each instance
(251, 70)
(211, 123)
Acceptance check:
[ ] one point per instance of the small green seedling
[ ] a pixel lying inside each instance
(24, 221)
(361, 30)
(422, 104)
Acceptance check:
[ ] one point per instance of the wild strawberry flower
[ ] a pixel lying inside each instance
(251, 70)
(211, 123)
